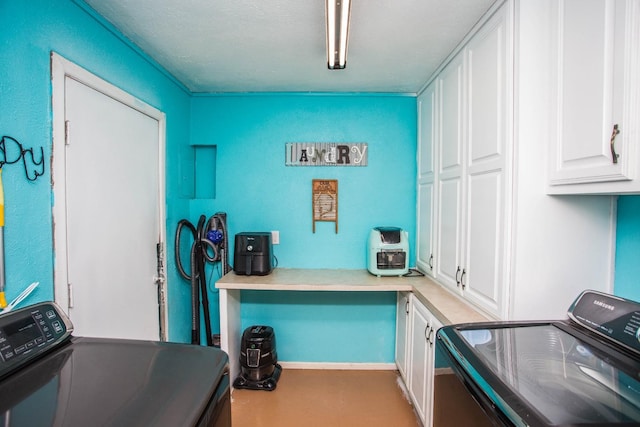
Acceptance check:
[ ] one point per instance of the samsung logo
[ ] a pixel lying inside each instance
(604, 305)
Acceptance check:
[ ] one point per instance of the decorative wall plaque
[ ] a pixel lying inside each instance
(325, 201)
(325, 154)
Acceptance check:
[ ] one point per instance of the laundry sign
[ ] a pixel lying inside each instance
(325, 154)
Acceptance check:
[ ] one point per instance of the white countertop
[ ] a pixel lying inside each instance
(446, 306)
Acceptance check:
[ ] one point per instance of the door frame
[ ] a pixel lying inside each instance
(62, 68)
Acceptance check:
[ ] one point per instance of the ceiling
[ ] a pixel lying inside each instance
(279, 45)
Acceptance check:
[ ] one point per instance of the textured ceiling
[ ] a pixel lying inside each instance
(279, 45)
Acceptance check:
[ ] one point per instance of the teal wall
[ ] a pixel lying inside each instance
(30, 31)
(260, 193)
(345, 327)
(627, 278)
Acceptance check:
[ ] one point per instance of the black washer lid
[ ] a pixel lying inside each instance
(108, 382)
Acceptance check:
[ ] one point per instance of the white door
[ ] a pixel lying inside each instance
(450, 172)
(112, 215)
(402, 333)
(430, 370)
(426, 181)
(589, 47)
(419, 371)
(487, 117)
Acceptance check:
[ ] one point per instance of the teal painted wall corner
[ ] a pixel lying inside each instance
(627, 276)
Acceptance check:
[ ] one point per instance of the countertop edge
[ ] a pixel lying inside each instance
(446, 306)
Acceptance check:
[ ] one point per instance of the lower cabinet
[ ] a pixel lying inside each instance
(402, 332)
(420, 326)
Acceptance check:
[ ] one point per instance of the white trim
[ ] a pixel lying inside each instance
(62, 68)
(340, 366)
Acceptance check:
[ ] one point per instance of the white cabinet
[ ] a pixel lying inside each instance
(426, 181)
(473, 112)
(421, 361)
(595, 102)
(489, 70)
(403, 337)
(450, 90)
(502, 243)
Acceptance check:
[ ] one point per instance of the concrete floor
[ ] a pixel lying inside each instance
(326, 398)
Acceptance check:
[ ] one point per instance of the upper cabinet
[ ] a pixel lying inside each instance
(489, 71)
(426, 180)
(595, 102)
(487, 230)
(451, 142)
(464, 126)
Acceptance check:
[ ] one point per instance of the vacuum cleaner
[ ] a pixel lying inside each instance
(259, 368)
(209, 245)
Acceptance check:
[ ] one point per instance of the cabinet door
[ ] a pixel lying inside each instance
(418, 371)
(426, 181)
(402, 333)
(590, 74)
(488, 58)
(431, 359)
(450, 168)
(426, 207)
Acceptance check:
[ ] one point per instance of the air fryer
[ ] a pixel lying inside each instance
(253, 252)
(259, 368)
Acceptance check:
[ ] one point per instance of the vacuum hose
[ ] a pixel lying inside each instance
(203, 250)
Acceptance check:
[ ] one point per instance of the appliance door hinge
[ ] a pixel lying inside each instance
(66, 132)
(70, 294)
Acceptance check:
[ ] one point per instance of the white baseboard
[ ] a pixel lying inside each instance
(339, 366)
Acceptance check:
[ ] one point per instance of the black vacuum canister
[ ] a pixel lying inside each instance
(259, 368)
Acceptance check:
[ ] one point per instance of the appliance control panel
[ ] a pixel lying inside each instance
(30, 332)
(615, 318)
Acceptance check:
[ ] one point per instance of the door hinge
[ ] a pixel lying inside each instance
(70, 294)
(66, 132)
(159, 279)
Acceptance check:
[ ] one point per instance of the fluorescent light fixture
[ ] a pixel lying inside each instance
(338, 14)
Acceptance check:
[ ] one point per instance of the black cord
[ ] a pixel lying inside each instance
(413, 273)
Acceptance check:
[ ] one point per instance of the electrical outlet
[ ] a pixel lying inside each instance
(275, 237)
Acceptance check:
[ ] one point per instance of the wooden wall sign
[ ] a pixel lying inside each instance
(325, 201)
(325, 154)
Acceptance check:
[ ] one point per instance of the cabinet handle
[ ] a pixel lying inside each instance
(457, 278)
(431, 337)
(464, 271)
(614, 133)
(406, 307)
(427, 332)
(431, 262)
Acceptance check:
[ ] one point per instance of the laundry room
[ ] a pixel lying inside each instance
(445, 124)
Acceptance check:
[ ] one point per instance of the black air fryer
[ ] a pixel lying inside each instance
(252, 254)
(259, 368)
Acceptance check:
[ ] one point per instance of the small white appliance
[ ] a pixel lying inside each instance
(388, 252)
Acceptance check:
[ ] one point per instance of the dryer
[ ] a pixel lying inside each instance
(49, 377)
